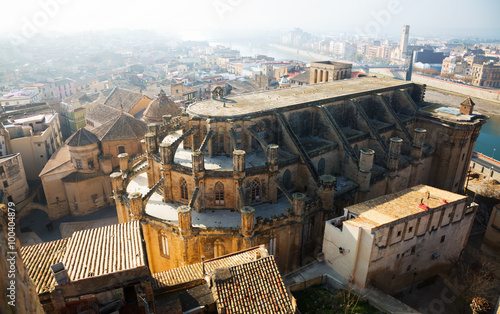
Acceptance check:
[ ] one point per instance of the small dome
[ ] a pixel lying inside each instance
(82, 137)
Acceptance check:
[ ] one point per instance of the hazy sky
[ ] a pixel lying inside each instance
(196, 18)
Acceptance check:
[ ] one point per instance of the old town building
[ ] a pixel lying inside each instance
(98, 270)
(327, 71)
(14, 187)
(76, 179)
(271, 167)
(393, 240)
(486, 74)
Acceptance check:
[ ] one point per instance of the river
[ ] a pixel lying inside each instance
(488, 139)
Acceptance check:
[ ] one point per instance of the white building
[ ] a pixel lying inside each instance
(36, 138)
(20, 97)
(394, 240)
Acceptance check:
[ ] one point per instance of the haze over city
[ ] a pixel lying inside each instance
(201, 19)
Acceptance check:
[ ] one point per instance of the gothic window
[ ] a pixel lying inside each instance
(287, 179)
(307, 231)
(321, 166)
(184, 189)
(218, 248)
(272, 244)
(164, 251)
(219, 193)
(255, 190)
(238, 134)
(221, 140)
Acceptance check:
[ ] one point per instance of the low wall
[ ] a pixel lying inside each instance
(474, 91)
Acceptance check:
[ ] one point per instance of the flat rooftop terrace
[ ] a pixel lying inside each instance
(388, 208)
(280, 98)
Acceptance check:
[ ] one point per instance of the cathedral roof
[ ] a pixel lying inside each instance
(123, 127)
(82, 137)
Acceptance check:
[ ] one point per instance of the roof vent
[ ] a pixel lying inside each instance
(60, 273)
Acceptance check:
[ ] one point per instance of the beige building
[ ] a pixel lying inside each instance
(36, 138)
(14, 186)
(270, 168)
(486, 74)
(327, 71)
(491, 240)
(101, 269)
(394, 240)
(76, 179)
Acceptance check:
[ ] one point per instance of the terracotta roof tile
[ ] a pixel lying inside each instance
(123, 127)
(82, 137)
(193, 272)
(254, 287)
(38, 259)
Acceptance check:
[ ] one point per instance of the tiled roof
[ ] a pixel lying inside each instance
(160, 107)
(102, 113)
(302, 77)
(60, 161)
(468, 102)
(38, 259)
(392, 207)
(123, 127)
(122, 98)
(254, 287)
(78, 176)
(105, 250)
(82, 137)
(85, 254)
(193, 272)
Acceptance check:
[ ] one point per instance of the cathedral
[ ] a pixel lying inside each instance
(271, 167)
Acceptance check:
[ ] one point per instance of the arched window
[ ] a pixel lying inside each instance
(287, 179)
(320, 76)
(321, 166)
(219, 193)
(326, 76)
(272, 244)
(315, 76)
(221, 140)
(255, 190)
(238, 134)
(184, 189)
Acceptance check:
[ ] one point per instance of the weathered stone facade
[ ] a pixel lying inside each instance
(25, 299)
(270, 168)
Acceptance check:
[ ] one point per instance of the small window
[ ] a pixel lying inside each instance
(6, 185)
(410, 229)
(219, 193)
(164, 250)
(79, 164)
(184, 189)
(413, 249)
(442, 239)
(91, 164)
(399, 233)
(2, 170)
(121, 149)
(39, 144)
(408, 268)
(41, 156)
(397, 257)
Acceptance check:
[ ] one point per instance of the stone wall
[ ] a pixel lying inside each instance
(26, 300)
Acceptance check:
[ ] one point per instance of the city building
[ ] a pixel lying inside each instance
(35, 137)
(19, 97)
(394, 240)
(491, 240)
(96, 270)
(14, 186)
(486, 74)
(76, 179)
(271, 167)
(453, 65)
(64, 88)
(401, 52)
(327, 71)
